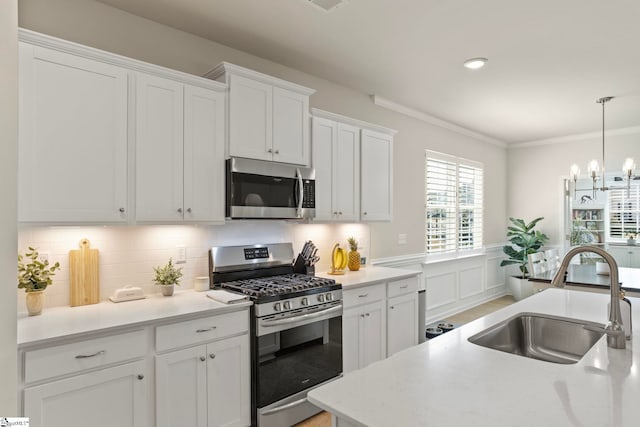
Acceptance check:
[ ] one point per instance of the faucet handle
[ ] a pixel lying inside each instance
(614, 331)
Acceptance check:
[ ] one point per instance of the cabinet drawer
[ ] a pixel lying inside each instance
(363, 295)
(401, 287)
(201, 330)
(78, 356)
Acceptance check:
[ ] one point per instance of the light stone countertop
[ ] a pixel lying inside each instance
(449, 381)
(61, 322)
(368, 275)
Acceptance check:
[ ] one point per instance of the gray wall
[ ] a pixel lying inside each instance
(101, 26)
(8, 229)
(536, 173)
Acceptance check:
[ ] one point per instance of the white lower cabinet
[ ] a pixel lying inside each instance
(108, 397)
(363, 335)
(379, 320)
(207, 385)
(402, 322)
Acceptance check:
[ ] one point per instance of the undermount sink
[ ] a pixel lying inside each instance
(540, 336)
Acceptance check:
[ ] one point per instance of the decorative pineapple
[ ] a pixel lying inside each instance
(354, 255)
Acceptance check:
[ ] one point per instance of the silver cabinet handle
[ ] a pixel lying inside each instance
(86, 356)
(404, 286)
(202, 358)
(205, 330)
(285, 406)
(212, 356)
(189, 210)
(121, 210)
(140, 376)
(363, 295)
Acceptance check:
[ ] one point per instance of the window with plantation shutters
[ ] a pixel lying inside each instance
(624, 212)
(453, 207)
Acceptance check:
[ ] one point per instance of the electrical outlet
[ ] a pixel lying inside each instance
(363, 260)
(43, 256)
(181, 258)
(402, 239)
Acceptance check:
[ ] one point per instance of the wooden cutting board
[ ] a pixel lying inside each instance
(83, 275)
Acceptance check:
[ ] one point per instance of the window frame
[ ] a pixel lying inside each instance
(458, 168)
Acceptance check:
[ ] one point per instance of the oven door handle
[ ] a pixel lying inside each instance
(284, 407)
(296, 319)
(300, 193)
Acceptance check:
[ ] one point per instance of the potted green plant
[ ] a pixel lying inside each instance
(524, 240)
(167, 277)
(34, 276)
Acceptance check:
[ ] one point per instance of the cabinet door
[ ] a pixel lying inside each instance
(376, 183)
(351, 339)
(402, 322)
(72, 160)
(621, 254)
(347, 173)
(324, 138)
(634, 257)
(159, 149)
(105, 398)
(250, 118)
(228, 382)
(181, 388)
(290, 127)
(203, 154)
(373, 337)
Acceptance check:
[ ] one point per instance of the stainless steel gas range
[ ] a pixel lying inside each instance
(296, 328)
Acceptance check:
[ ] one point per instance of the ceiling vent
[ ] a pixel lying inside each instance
(327, 5)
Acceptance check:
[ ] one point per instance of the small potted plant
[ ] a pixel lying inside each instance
(524, 240)
(166, 277)
(34, 276)
(631, 238)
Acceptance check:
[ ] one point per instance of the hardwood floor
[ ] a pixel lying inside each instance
(323, 419)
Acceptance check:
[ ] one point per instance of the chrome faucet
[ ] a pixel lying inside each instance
(614, 330)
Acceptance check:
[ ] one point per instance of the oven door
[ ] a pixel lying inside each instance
(296, 352)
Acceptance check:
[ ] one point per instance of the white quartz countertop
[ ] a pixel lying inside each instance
(368, 275)
(449, 381)
(60, 322)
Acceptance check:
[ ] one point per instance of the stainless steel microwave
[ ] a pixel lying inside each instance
(261, 189)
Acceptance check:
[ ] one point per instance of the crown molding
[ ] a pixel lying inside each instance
(577, 137)
(416, 114)
(316, 112)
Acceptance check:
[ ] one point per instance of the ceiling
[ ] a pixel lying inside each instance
(549, 60)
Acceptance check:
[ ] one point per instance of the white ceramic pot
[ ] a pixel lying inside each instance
(167, 290)
(519, 288)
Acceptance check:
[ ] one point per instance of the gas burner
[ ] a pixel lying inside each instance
(277, 285)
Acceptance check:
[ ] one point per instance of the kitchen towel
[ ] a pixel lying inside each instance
(226, 297)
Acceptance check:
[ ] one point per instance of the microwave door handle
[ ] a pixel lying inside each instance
(300, 192)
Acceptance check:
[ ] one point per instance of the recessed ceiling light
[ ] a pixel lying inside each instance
(475, 63)
(327, 5)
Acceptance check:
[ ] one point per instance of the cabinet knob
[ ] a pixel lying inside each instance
(277, 152)
(179, 210)
(269, 150)
(140, 376)
(392, 307)
(188, 210)
(121, 210)
(212, 356)
(335, 213)
(364, 213)
(202, 358)
(362, 315)
(339, 213)
(367, 314)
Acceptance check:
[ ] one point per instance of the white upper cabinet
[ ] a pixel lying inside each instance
(336, 160)
(376, 177)
(159, 148)
(354, 168)
(268, 117)
(179, 151)
(72, 162)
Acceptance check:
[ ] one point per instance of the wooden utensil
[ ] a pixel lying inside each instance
(84, 281)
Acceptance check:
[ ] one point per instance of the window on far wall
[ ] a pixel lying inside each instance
(624, 212)
(453, 207)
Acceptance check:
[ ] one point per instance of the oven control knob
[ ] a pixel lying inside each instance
(321, 298)
(287, 305)
(304, 301)
(277, 307)
(329, 297)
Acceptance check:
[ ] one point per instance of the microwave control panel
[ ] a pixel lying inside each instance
(309, 194)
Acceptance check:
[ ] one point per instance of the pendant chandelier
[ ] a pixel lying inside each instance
(595, 172)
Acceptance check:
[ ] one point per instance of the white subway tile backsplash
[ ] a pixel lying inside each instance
(127, 254)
